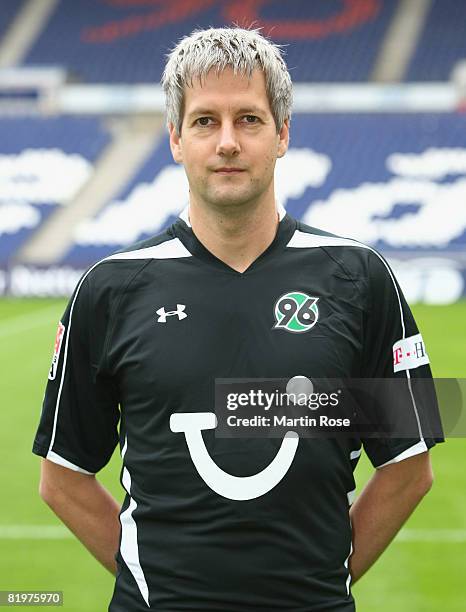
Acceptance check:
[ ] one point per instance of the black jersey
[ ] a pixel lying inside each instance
(144, 337)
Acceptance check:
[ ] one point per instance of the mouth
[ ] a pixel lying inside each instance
(228, 171)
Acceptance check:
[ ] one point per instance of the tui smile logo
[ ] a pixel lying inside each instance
(296, 312)
(239, 488)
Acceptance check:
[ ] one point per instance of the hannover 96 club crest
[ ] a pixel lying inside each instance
(296, 312)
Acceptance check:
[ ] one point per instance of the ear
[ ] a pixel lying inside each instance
(175, 144)
(283, 138)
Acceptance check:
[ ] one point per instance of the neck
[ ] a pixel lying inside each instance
(235, 236)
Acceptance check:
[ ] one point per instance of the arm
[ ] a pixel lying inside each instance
(383, 506)
(85, 507)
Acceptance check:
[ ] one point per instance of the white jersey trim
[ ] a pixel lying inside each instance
(416, 449)
(302, 240)
(351, 495)
(169, 249)
(346, 564)
(129, 536)
(51, 456)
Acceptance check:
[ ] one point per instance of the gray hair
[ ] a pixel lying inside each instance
(243, 50)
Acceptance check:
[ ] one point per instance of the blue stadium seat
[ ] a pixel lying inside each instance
(442, 44)
(8, 10)
(149, 202)
(43, 163)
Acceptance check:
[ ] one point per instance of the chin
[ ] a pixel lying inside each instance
(227, 198)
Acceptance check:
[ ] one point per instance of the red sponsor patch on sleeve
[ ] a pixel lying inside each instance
(56, 350)
(409, 353)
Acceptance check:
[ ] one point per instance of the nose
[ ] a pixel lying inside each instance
(228, 144)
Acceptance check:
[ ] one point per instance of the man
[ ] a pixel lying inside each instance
(150, 329)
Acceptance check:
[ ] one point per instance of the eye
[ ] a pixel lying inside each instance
(250, 119)
(203, 121)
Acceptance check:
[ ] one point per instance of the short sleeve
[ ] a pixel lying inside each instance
(395, 354)
(78, 426)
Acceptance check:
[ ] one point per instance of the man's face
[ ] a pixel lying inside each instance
(229, 142)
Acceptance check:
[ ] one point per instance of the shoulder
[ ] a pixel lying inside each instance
(357, 261)
(376, 290)
(352, 255)
(307, 236)
(164, 245)
(110, 276)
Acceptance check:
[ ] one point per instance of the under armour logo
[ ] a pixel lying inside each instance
(179, 312)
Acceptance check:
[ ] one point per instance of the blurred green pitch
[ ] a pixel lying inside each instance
(421, 572)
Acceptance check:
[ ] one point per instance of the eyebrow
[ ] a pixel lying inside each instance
(246, 110)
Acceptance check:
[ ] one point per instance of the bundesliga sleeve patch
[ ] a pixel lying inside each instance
(56, 350)
(409, 353)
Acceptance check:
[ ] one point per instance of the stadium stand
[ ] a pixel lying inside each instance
(149, 202)
(43, 164)
(394, 181)
(9, 8)
(442, 44)
(126, 41)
